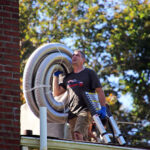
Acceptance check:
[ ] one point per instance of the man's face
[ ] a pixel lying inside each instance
(77, 58)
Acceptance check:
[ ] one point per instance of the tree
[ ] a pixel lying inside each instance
(129, 48)
(114, 42)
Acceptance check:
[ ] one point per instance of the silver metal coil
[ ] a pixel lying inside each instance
(38, 77)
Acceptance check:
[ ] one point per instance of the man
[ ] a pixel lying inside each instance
(79, 116)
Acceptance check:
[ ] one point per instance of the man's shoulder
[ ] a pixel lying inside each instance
(68, 74)
(89, 70)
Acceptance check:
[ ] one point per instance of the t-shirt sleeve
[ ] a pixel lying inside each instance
(62, 82)
(95, 82)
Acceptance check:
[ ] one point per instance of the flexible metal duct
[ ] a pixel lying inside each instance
(38, 77)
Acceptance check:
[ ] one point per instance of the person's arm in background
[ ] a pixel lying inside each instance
(57, 90)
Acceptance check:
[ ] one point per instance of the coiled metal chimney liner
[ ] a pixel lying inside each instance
(38, 77)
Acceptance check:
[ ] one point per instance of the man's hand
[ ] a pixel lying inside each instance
(102, 112)
(57, 73)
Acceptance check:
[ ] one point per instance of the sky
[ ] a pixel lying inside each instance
(126, 99)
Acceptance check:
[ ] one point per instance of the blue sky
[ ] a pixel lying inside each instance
(126, 99)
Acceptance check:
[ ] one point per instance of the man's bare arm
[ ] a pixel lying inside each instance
(101, 96)
(57, 90)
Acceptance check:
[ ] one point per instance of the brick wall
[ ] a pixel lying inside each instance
(9, 75)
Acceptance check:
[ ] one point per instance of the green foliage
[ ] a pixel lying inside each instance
(129, 48)
(116, 43)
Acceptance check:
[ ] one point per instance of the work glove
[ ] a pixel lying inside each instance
(57, 73)
(102, 112)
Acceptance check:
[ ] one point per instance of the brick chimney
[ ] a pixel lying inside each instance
(9, 75)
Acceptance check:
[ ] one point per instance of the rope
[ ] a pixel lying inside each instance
(62, 56)
(41, 86)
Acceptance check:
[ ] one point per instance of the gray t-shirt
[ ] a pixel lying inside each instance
(90, 82)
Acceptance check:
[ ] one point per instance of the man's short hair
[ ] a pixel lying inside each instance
(82, 53)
